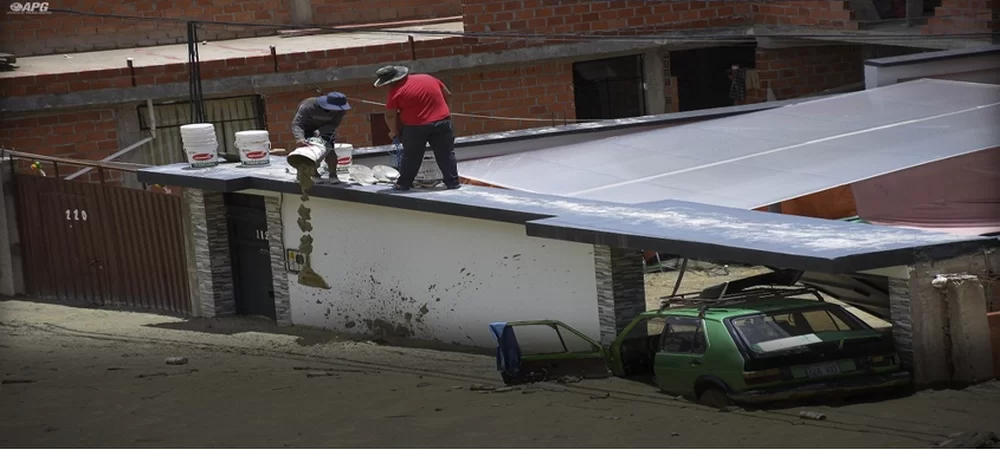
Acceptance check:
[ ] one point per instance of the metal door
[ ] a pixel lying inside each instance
(251, 255)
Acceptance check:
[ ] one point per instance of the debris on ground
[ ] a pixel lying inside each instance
(16, 381)
(150, 375)
(812, 415)
(730, 409)
(176, 361)
(568, 379)
(675, 434)
(611, 417)
(482, 387)
(319, 374)
(970, 439)
(423, 385)
(601, 396)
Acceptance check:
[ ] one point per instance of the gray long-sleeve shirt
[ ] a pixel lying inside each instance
(311, 117)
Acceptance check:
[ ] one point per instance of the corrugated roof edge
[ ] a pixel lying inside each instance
(933, 56)
(602, 125)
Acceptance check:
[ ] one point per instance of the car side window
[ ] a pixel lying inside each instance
(684, 335)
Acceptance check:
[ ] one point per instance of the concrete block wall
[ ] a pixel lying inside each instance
(621, 289)
(794, 72)
(213, 273)
(26, 35)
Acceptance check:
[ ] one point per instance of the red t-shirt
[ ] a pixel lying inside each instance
(419, 99)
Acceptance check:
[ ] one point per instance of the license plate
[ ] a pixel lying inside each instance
(822, 370)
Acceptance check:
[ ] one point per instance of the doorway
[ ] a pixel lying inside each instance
(703, 75)
(609, 88)
(253, 286)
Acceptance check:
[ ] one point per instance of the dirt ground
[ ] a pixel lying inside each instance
(74, 377)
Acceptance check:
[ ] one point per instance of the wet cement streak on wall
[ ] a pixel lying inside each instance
(279, 273)
(207, 213)
(399, 273)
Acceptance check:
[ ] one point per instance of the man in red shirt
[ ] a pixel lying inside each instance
(418, 101)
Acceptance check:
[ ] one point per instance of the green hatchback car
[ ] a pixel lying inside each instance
(754, 349)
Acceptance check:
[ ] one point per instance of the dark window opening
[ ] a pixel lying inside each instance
(379, 130)
(703, 75)
(609, 88)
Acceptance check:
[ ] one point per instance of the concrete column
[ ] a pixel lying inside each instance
(968, 333)
(301, 12)
(209, 265)
(279, 272)
(11, 271)
(655, 82)
(936, 330)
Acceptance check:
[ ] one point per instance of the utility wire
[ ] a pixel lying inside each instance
(676, 34)
(481, 116)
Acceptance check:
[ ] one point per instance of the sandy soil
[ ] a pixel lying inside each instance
(96, 378)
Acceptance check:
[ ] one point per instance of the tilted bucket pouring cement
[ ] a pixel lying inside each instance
(312, 154)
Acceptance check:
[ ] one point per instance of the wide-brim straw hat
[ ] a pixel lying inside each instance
(390, 74)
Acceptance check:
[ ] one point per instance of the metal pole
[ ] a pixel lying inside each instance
(194, 75)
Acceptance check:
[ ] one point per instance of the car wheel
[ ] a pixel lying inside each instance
(715, 398)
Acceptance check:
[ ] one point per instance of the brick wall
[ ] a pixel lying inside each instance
(964, 16)
(802, 71)
(817, 13)
(617, 17)
(541, 91)
(26, 35)
(63, 83)
(89, 134)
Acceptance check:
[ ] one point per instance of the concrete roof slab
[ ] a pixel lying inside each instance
(690, 229)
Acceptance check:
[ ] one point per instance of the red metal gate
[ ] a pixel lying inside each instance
(96, 244)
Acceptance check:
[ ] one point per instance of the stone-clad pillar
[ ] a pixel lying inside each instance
(621, 289)
(279, 272)
(209, 265)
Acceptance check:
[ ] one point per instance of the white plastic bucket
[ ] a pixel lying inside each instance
(254, 147)
(429, 173)
(200, 144)
(345, 156)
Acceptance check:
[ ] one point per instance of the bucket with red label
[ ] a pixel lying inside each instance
(200, 144)
(254, 147)
(345, 157)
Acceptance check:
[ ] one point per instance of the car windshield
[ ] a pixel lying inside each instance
(794, 329)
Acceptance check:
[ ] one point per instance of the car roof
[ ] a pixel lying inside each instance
(724, 311)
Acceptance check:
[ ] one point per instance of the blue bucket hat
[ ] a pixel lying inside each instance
(334, 101)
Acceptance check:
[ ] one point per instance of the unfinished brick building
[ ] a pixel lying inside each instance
(85, 79)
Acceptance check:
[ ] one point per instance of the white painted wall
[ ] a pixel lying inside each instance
(443, 277)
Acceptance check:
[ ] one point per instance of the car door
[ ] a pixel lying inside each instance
(545, 350)
(680, 360)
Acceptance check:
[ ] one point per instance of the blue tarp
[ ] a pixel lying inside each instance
(508, 350)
